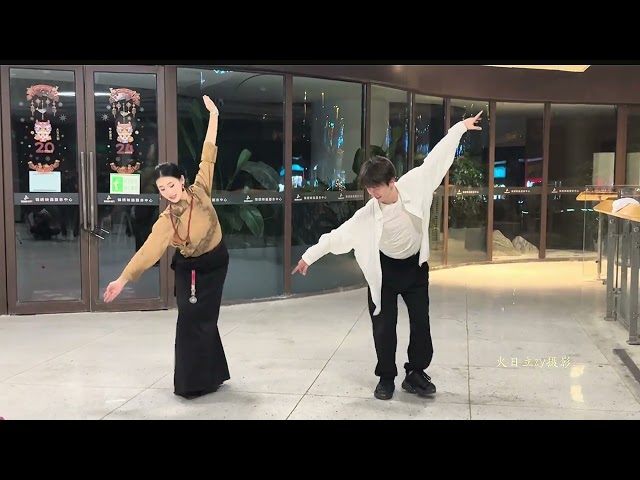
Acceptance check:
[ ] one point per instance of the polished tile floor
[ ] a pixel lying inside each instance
(512, 341)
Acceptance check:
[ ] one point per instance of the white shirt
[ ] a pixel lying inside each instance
(362, 232)
(401, 231)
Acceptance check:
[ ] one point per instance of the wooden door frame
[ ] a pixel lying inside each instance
(3, 251)
(13, 306)
(96, 302)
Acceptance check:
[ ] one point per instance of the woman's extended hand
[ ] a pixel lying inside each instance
(210, 105)
(114, 289)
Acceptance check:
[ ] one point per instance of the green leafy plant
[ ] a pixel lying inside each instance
(466, 211)
(235, 216)
(397, 159)
(192, 130)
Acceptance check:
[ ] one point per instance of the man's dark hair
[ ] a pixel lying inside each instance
(376, 171)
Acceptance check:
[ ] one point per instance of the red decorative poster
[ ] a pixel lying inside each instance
(44, 102)
(42, 97)
(124, 104)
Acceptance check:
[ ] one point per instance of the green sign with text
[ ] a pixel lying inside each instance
(125, 183)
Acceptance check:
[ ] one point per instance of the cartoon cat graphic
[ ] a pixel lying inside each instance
(42, 131)
(125, 131)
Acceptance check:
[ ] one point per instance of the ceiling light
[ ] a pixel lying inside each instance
(563, 68)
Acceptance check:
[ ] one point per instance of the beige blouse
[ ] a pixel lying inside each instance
(205, 232)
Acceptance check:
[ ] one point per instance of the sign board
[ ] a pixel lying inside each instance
(149, 199)
(328, 196)
(50, 182)
(221, 197)
(124, 183)
(242, 198)
(45, 198)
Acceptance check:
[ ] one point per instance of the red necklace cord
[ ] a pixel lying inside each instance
(187, 239)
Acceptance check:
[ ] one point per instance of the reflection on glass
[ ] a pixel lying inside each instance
(390, 126)
(310, 221)
(327, 154)
(429, 125)
(518, 180)
(516, 226)
(249, 175)
(518, 159)
(126, 134)
(582, 145)
(468, 177)
(327, 134)
(471, 166)
(581, 152)
(429, 130)
(44, 158)
(436, 229)
(633, 147)
(571, 227)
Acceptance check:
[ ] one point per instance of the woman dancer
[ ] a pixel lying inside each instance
(201, 260)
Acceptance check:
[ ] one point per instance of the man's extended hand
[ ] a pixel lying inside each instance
(470, 123)
(302, 268)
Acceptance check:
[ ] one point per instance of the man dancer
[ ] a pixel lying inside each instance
(389, 236)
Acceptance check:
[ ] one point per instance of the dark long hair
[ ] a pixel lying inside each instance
(169, 170)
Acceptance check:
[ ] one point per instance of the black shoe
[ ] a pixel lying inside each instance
(419, 383)
(384, 389)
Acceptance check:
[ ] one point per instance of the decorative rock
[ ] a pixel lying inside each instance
(523, 246)
(502, 246)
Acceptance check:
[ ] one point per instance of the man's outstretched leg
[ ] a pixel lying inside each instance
(420, 351)
(385, 339)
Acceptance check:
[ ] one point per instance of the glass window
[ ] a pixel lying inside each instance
(44, 149)
(429, 130)
(633, 147)
(468, 177)
(126, 136)
(581, 152)
(248, 192)
(390, 126)
(518, 180)
(429, 125)
(327, 154)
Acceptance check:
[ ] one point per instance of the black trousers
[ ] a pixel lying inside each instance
(406, 278)
(200, 361)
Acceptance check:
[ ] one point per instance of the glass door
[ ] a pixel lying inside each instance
(42, 142)
(124, 119)
(79, 146)
(3, 264)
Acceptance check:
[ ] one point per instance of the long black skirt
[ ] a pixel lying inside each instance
(200, 362)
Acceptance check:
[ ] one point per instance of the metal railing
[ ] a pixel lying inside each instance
(622, 250)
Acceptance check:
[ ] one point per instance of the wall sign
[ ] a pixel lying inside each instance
(123, 183)
(221, 197)
(328, 196)
(45, 198)
(148, 199)
(45, 182)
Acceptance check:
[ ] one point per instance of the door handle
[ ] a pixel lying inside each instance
(93, 199)
(92, 191)
(83, 190)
